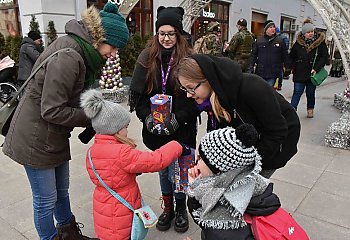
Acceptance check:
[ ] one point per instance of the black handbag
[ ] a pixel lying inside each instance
(8, 109)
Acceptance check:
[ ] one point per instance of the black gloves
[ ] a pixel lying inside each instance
(186, 150)
(86, 135)
(170, 128)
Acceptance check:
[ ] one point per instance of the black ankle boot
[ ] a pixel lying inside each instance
(181, 216)
(164, 220)
(71, 231)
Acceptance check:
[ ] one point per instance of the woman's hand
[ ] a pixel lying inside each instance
(313, 71)
(193, 174)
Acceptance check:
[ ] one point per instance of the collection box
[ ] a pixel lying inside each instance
(182, 164)
(161, 106)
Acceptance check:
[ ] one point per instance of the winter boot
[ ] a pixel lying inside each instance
(71, 231)
(310, 113)
(164, 220)
(181, 216)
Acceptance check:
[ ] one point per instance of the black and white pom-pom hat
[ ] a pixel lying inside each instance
(227, 149)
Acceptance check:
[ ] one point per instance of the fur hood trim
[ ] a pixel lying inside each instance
(92, 21)
(321, 36)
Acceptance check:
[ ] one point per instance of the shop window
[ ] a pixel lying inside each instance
(288, 28)
(9, 19)
(215, 11)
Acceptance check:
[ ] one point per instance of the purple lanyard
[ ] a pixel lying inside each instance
(166, 75)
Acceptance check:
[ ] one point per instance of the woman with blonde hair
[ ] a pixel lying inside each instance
(232, 98)
(153, 74)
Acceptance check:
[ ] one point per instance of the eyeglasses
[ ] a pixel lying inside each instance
(170, 35)
(191, 91)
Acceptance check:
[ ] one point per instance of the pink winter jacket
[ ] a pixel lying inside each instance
(117, 164)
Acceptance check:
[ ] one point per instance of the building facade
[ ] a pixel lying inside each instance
(288, 15)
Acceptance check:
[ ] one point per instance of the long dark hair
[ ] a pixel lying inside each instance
(182, 49)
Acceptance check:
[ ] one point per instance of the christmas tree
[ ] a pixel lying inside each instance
(51, 32)
(34, 25)
(111, 74)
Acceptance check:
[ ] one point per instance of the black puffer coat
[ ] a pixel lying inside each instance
(303, 55)
(249, 99)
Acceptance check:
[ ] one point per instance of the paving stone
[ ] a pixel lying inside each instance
(290, 195)
(298, 174)
(326, 207)
(333, 183)
(321, 230)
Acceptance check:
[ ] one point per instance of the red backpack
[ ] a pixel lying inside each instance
(280, 225)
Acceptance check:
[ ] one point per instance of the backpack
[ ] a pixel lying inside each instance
(279, 225)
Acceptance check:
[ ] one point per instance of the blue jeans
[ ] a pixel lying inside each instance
(271, 81)
(50, 198)
(167, 182)
(299, 90)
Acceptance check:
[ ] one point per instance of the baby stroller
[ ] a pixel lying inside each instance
(9, 87)
(337, 65)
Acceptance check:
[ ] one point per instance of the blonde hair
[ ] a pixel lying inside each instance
(189, 69)
(125, 140)
(219, 112)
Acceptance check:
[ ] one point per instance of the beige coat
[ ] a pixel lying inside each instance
(50, 109)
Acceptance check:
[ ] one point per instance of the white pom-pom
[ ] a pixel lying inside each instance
(91, 101)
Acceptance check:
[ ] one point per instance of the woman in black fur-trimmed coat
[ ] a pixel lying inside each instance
(309, 55)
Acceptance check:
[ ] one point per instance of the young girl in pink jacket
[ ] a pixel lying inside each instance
(117, 162)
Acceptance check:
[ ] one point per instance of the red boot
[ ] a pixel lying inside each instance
(164, 220)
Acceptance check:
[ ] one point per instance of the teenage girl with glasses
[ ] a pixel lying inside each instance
(153, 74)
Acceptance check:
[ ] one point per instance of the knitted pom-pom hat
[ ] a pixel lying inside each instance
(227, 149)
(114, 25)
(308, 26)
(106, 117)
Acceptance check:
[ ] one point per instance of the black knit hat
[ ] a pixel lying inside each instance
(242, 22)
(34, 35)
(170, 16)
(268, 24)
(227, 149)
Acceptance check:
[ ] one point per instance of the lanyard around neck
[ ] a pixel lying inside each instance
(165, 76)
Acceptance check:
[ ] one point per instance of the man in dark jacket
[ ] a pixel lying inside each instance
(269, 54)
(28, 54)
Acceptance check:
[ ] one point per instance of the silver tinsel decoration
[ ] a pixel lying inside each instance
(342, 102)
(116, 95)
(338, 133)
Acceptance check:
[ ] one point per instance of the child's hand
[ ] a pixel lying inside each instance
(193, 174)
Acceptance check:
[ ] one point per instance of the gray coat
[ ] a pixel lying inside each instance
(28, 54)
(50, 109)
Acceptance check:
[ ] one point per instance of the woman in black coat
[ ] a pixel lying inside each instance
(232, 98)
(153, 74)
(309, 55)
